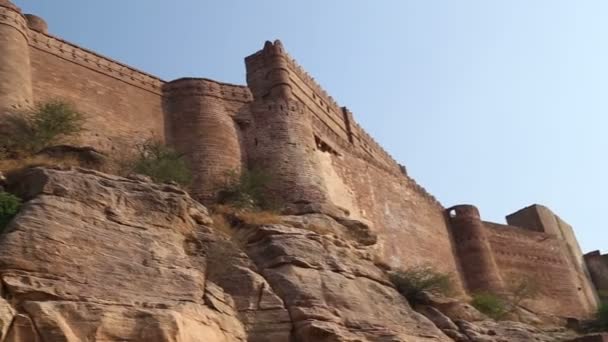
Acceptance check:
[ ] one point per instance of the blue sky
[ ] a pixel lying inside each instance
(497, 103)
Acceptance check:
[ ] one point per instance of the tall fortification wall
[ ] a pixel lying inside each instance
(202, 122)
(598, 269)
(319, 158)
(540, 258)
(351, 170)
(497, 258)
(122, 104)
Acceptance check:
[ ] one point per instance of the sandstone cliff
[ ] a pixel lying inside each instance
(95, 257)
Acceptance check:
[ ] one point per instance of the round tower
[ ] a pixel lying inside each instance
(15, 70)
(283, 145)
(474, 251)
(200, 127)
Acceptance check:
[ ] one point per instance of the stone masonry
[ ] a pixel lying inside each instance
(319, 158)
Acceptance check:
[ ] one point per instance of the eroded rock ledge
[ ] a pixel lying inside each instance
(94, 257)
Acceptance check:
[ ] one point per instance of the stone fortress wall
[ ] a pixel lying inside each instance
(320, 159)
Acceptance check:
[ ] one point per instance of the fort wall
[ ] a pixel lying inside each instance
(319, 158)
(598, 269)
(474, 252)
(350, 170)
(540, 258)
(201, 124)
(541, 219)
(123, 105)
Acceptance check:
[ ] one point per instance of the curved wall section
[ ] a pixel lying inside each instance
(15, 70)
(201, 126)
(284, 147)
(474, 251)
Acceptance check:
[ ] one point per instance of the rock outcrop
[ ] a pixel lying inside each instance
(95, 257)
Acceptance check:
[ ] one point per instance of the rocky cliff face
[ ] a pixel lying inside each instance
(94, 257)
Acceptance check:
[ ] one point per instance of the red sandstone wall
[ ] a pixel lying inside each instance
(203, 123)
(542, 258)
(123, 105)
(356, 173)
(598, 267)
(411, 226)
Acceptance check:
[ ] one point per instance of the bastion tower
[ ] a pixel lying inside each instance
(318, 159)
(479, 268)
(284, 141)
(201, 123)
(15, 70)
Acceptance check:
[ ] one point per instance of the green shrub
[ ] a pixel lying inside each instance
(9, 206)
(26, 133)
(246, 190)
(161, 163)
(492, 305)
(601, 317)
(414, 282)
(521, 288)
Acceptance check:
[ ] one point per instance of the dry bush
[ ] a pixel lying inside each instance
(493, 305)
(413, 282)
(246, 217)
(161, 163)
(246, 190)
(520, 289)
(221, 223)
(258, 218)
(26, 133)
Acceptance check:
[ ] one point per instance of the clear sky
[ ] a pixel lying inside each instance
(496, 103)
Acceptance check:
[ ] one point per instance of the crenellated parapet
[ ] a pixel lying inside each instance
(206, 87)
(272, 73)
(94, 61)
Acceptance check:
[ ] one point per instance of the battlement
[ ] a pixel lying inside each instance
(525, 251)
(207, 87)
(94, 61)
(319, 158)
(273, 67)
(280, 106)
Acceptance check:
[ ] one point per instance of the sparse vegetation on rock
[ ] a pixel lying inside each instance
(9, 206)
(490, 304)
(26, 133)
(245, 189)
(500, 306)
(413, 282)
(161, 163)
(600, 323)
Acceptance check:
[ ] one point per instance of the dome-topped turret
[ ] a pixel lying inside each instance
(36, 23)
